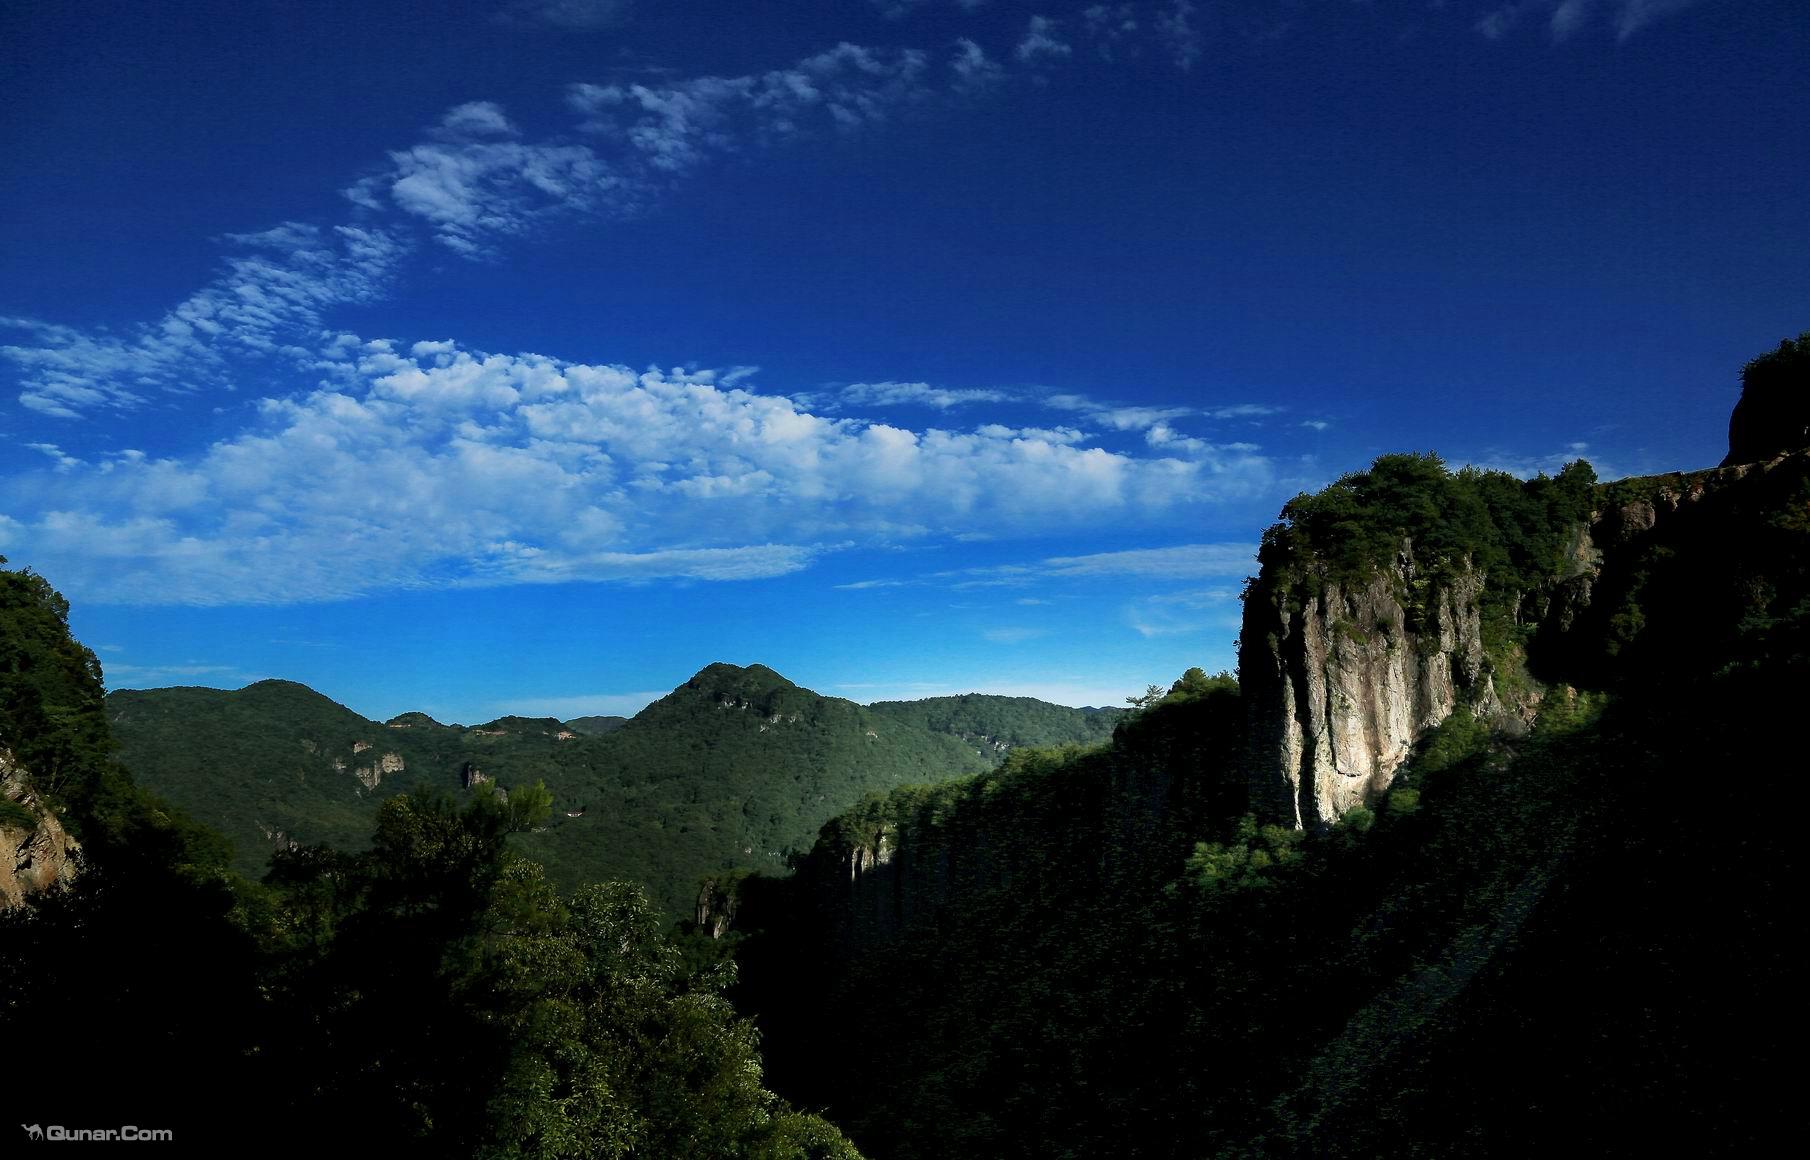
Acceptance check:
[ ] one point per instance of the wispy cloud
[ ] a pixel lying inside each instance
(1526, 466)
(1124, 417)
(1041, 43)
(672, 128)
(1036, 434)
(1175, 25)
(140, 676)
(916, 395)
(1109, 26)
(476, 180)
(62, 459)
(1185, 613)
(568, 13)
(894, 9)
(473, 181)
(973, 68)
(1242, 411)
(1012, 634)
(1565, 18)
(1182, 562)
(437, 466)
(277, 287)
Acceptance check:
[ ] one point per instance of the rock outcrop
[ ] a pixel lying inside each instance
(718, 900)
(1341, 680)
(372, 775)
(34, 857)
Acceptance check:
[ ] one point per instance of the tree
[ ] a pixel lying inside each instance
(1773, 414)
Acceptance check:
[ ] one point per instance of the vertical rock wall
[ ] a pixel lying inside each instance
(1341, 681)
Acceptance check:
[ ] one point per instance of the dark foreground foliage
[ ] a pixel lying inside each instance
(1575, 940)
(431, 996)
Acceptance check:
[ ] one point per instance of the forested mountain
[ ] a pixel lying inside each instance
(431, 996)
(729, 771)
(1482, 858)
(997, 725)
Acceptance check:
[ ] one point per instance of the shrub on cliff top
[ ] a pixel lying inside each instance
(1512, 531)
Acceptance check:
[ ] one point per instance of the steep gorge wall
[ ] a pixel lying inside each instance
(1342, 679)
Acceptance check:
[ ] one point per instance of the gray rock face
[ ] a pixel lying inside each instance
(1341, 682)
(32, 860)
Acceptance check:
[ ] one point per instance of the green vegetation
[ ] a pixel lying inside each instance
(431, 994)
(1514, 532)
(1535, 939)
(1773, 414)
(596, 726)
(459, 1003)
(734, 769)
(999, 724)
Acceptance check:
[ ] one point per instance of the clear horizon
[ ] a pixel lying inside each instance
(544, 352)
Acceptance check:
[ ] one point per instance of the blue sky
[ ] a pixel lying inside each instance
(527, 356)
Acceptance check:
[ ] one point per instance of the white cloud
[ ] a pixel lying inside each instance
(1037, 434)
(62, 459)
(1040, 44)
(1315, 424)
(1123, 417)
(1242, 411)
(863, 585)
(1117, 417)
(438, 466)
(916, 395)
(473, 180)
(673, 128)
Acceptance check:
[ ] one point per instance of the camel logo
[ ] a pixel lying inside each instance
(33, 1131)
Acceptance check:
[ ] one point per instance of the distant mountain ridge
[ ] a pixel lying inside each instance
(732, 769)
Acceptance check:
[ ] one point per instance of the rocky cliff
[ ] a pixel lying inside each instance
(1342, 679)
(36, 854)
(1345, 669)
